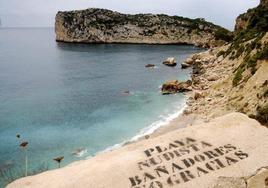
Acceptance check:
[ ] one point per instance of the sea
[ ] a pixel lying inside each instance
(76, 100)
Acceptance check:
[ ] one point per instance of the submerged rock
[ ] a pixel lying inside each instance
(170, 62)
(174, 86)
(126, 92)
(150, 66)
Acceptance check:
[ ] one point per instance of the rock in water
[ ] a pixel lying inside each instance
(150, 66)
(126, 92)
(105, 26)
(185, 65)
(174, 86)
(170, 62)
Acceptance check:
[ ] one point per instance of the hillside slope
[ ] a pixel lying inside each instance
(241, 70)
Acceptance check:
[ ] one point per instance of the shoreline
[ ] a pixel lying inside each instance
(156, 128)
(176, 120)
(107, 168)
(196, 115)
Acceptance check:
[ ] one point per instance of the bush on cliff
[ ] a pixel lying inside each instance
(220, 53)
(238, 76)
(262, 114)
(223, 34)
(265, 94)
(259, 21)
(263, 53)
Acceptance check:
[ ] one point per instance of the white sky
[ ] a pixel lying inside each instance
(41, 13)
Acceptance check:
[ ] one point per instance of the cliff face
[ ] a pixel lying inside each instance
(105, 26)
(253, 18)
(264, 3)
(240, 67)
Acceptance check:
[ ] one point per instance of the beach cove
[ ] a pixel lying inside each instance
(69, 104)
(215, 135)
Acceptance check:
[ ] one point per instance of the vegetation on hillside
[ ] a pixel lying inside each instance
(262, 114)
(247, 42)
(224, 34)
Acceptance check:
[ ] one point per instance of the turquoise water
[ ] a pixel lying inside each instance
(64, 97)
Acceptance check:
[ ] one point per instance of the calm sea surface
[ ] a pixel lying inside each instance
(68, 99)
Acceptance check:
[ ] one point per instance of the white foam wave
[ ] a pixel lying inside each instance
(164, 120)
(80, 152)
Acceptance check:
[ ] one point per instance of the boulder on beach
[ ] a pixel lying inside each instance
(174, 86)
(198, 94)
(170, 62)
(197, 67)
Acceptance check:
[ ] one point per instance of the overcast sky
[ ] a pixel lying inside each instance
(41, 13)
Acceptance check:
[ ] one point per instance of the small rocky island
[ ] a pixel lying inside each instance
(104, 26)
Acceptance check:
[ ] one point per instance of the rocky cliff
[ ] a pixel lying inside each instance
(256, 17)
(239, 71)
(105, 26)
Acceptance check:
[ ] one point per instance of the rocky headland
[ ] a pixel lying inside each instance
(104, 26)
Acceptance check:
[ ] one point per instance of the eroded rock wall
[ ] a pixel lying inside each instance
(105, 26)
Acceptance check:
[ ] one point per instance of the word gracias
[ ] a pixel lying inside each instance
(182, 161)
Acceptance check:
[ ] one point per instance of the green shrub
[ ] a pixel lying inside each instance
(263, 54)
(220, 53)
(238, 76)
(252, 62)
(240, 51)
(262, 114)
(253, 70)
(259, 20)
(265, 94)
(223, 34)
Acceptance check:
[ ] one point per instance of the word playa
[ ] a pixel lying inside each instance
(182, 161)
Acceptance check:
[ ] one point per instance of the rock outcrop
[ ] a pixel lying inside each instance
(264, 3)
(253, 18)
(221, 86)
(105, 26)
(174, 86)
(187, 63)
(234, 77)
